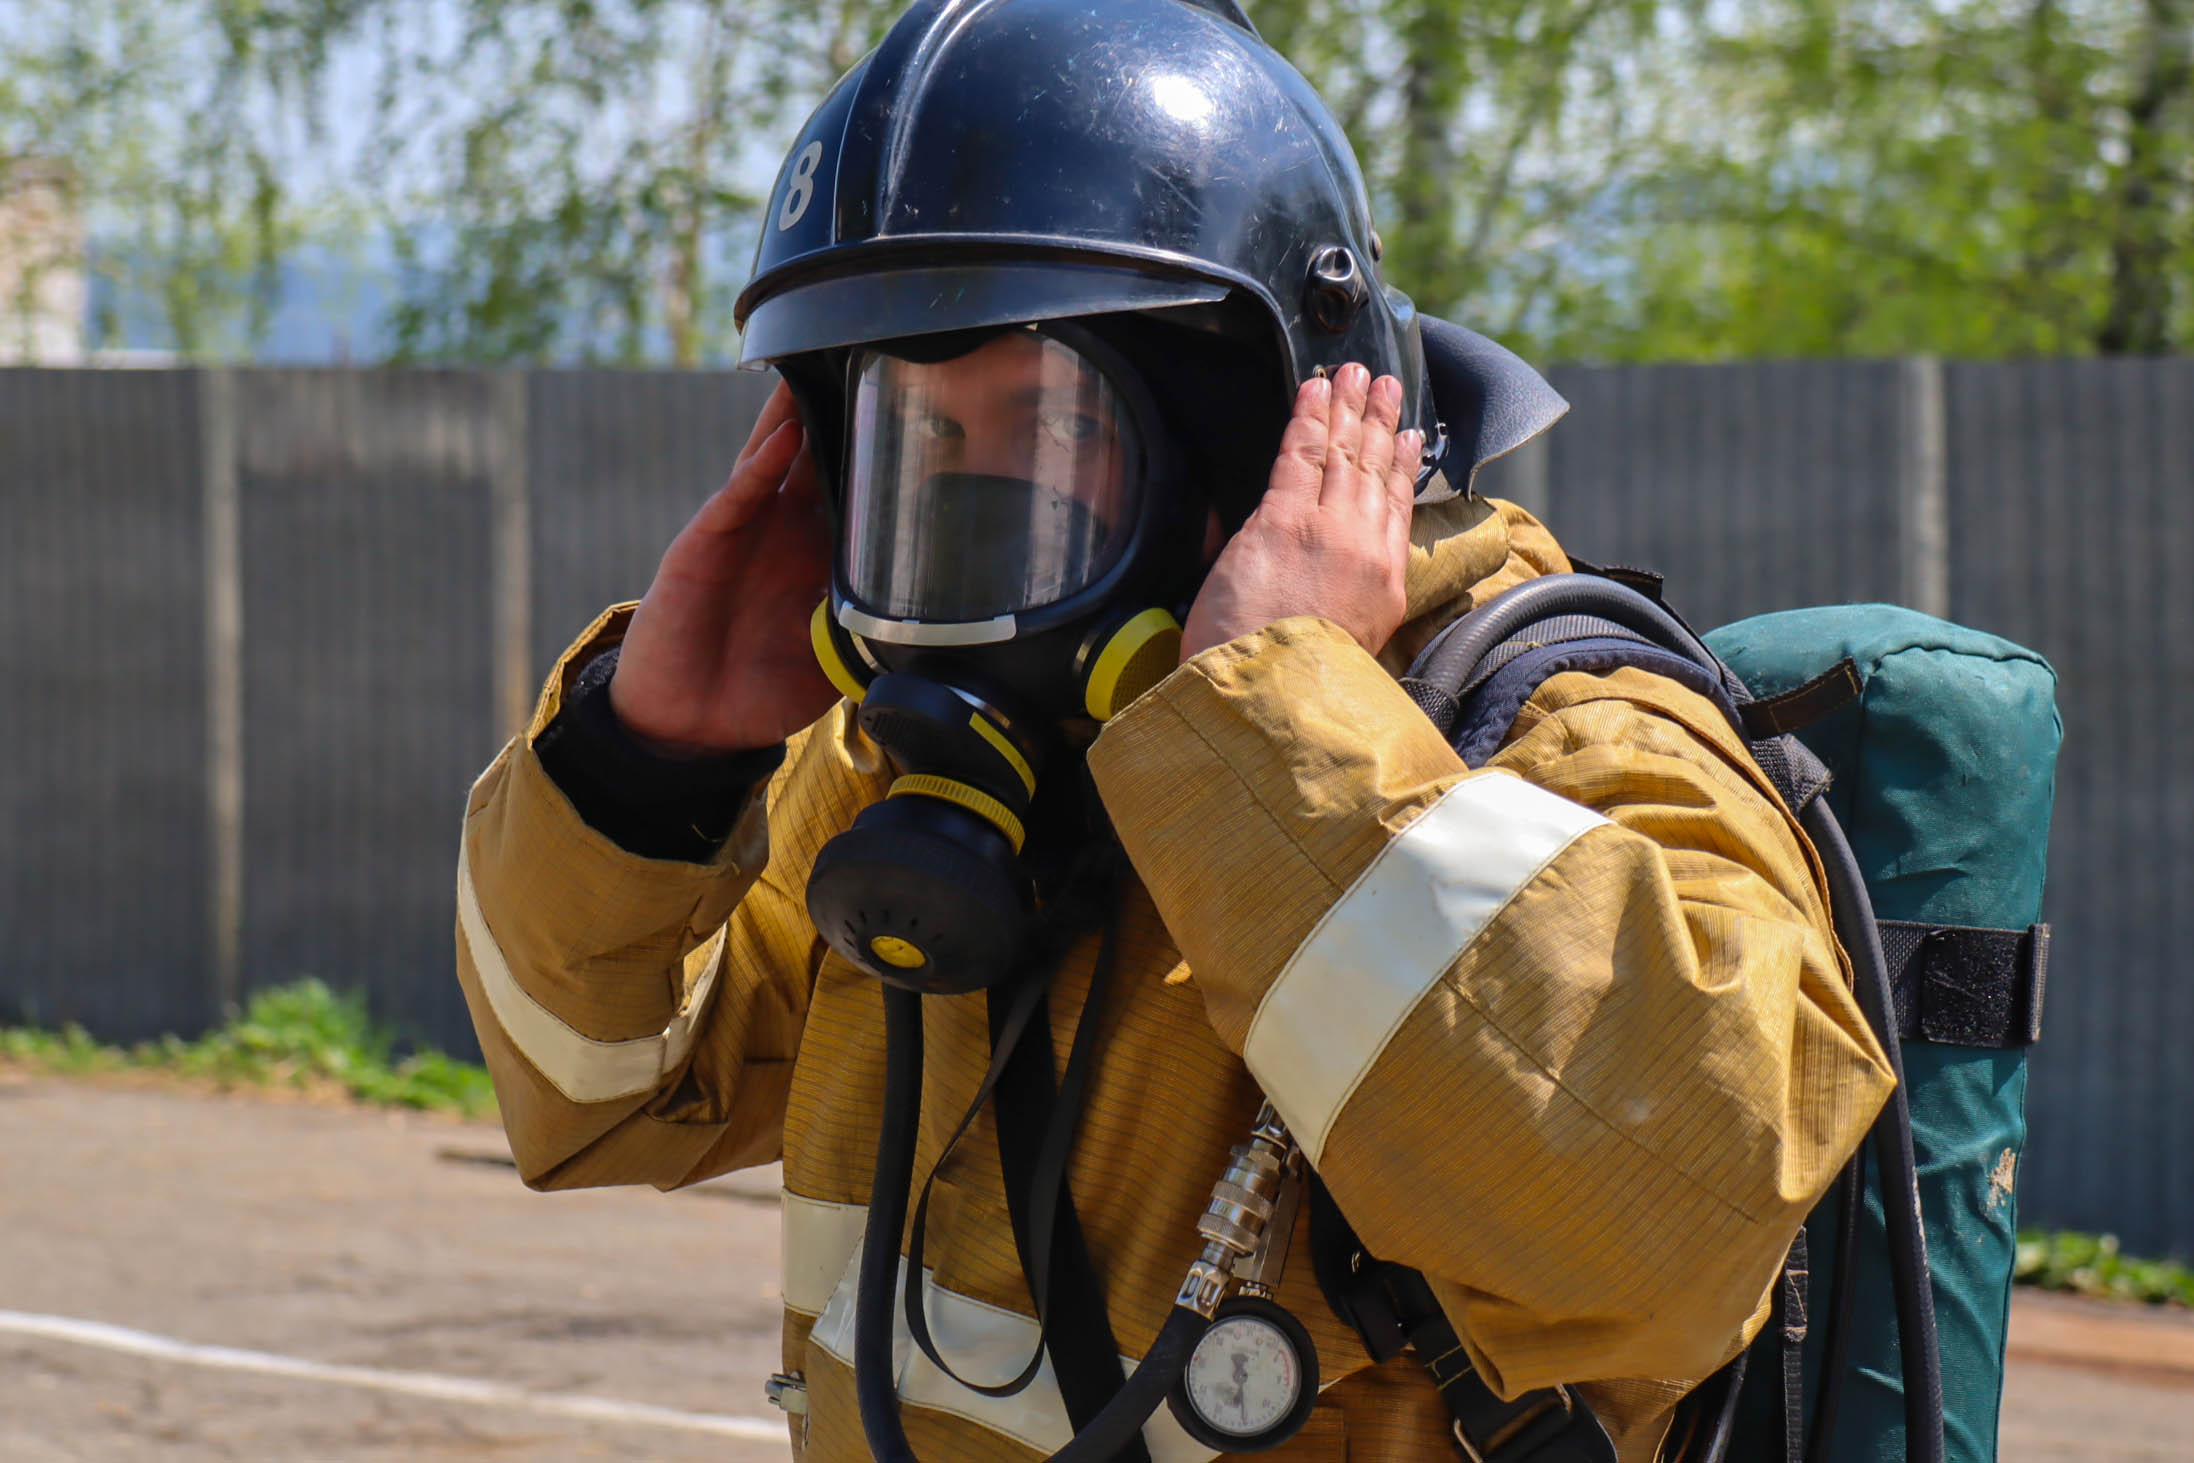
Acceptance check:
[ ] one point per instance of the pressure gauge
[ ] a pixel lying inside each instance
(1251, 1380)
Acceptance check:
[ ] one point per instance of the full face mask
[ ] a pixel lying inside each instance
(1015, 547)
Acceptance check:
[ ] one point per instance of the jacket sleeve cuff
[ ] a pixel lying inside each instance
(646, 801)
(1253, 786)
(558, 915)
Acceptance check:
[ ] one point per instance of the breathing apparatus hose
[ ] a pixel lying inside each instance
(1724, 1425)
(1449, 660)
(1893, 1151)
(873, 1373)
(1121, 1419)
(1843, 1299)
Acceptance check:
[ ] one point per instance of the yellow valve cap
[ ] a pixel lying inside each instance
(826, 655)
(1138, 656)
(896, 952)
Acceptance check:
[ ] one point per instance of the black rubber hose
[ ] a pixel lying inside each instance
(874, 1384)
(1893, 1151)
(1142, 1394)
(1122, 1418)
(1457, 650)
(1842, 1301)
(1724, 1425)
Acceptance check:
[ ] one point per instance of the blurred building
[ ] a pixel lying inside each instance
(42, 286)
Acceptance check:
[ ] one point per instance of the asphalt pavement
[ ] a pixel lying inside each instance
(191, 1277)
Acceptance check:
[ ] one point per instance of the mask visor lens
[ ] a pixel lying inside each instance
(999, 480)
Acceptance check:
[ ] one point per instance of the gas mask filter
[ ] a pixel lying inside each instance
(1014, 547)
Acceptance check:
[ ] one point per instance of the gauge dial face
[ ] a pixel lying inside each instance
(1244, 1376)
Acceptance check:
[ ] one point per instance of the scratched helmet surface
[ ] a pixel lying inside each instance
(995, 162)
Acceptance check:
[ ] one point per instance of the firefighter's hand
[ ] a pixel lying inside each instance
(717, 656)
(1331, 536)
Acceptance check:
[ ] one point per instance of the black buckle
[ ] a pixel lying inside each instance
(1549, 1425)
(1557, 1429)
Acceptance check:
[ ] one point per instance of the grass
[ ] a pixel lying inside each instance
(302, 1036)
(308, 1038)
(2090, 1264)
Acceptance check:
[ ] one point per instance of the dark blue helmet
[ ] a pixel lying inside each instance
(996, 162)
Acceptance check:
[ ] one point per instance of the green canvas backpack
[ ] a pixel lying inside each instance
(1943, 769)
(1920, 757)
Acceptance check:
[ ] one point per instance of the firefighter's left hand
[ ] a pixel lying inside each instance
(1331, 536)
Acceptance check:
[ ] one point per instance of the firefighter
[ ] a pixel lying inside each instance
(1126, 489)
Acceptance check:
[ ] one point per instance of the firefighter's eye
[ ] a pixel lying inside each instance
(1072, 427)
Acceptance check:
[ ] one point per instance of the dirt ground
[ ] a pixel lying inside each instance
(399, 1243)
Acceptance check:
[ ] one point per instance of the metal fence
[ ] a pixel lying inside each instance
(260, 629)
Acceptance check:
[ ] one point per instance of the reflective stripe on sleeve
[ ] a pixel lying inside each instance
(1389, 939)
(985, 1343)
(578, 1066)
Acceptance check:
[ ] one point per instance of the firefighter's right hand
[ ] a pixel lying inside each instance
(717, 657)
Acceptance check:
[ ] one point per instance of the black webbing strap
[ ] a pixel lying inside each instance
(1801, 706)
(1963, 986)
(1392, 1308)
(1548, 1425)
(1035, 1136)
(1035, 1125)
(1350, 1278)
(1790, 1321)
(1010, 1018)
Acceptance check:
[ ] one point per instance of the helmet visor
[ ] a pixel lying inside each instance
(999, 479)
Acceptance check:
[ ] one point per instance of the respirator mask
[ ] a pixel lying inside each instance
(1015, 547)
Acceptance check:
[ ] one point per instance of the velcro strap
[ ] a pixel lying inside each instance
(1791, 1303)
(1797, 772)
(1963, 986)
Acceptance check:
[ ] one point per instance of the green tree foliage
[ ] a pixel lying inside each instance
(595, 199)
(1588, 179)
(1632, 180)
(1974, 178)
(187, 126)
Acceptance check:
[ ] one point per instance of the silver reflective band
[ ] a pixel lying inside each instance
(1387, 941)
(920, 632)
(580, 1067)
(983, 1341)
(819, 1237)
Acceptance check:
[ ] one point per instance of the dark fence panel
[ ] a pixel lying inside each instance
(416, 547)
(367, 676)
(2072, 489)
(617, 461)
(103, 895)
(1753, 488)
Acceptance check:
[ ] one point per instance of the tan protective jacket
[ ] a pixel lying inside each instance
(1569, 1033)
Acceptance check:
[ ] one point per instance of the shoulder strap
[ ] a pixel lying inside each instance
(1393, 1309)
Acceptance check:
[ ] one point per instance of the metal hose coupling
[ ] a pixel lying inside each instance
(1243, 1202)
